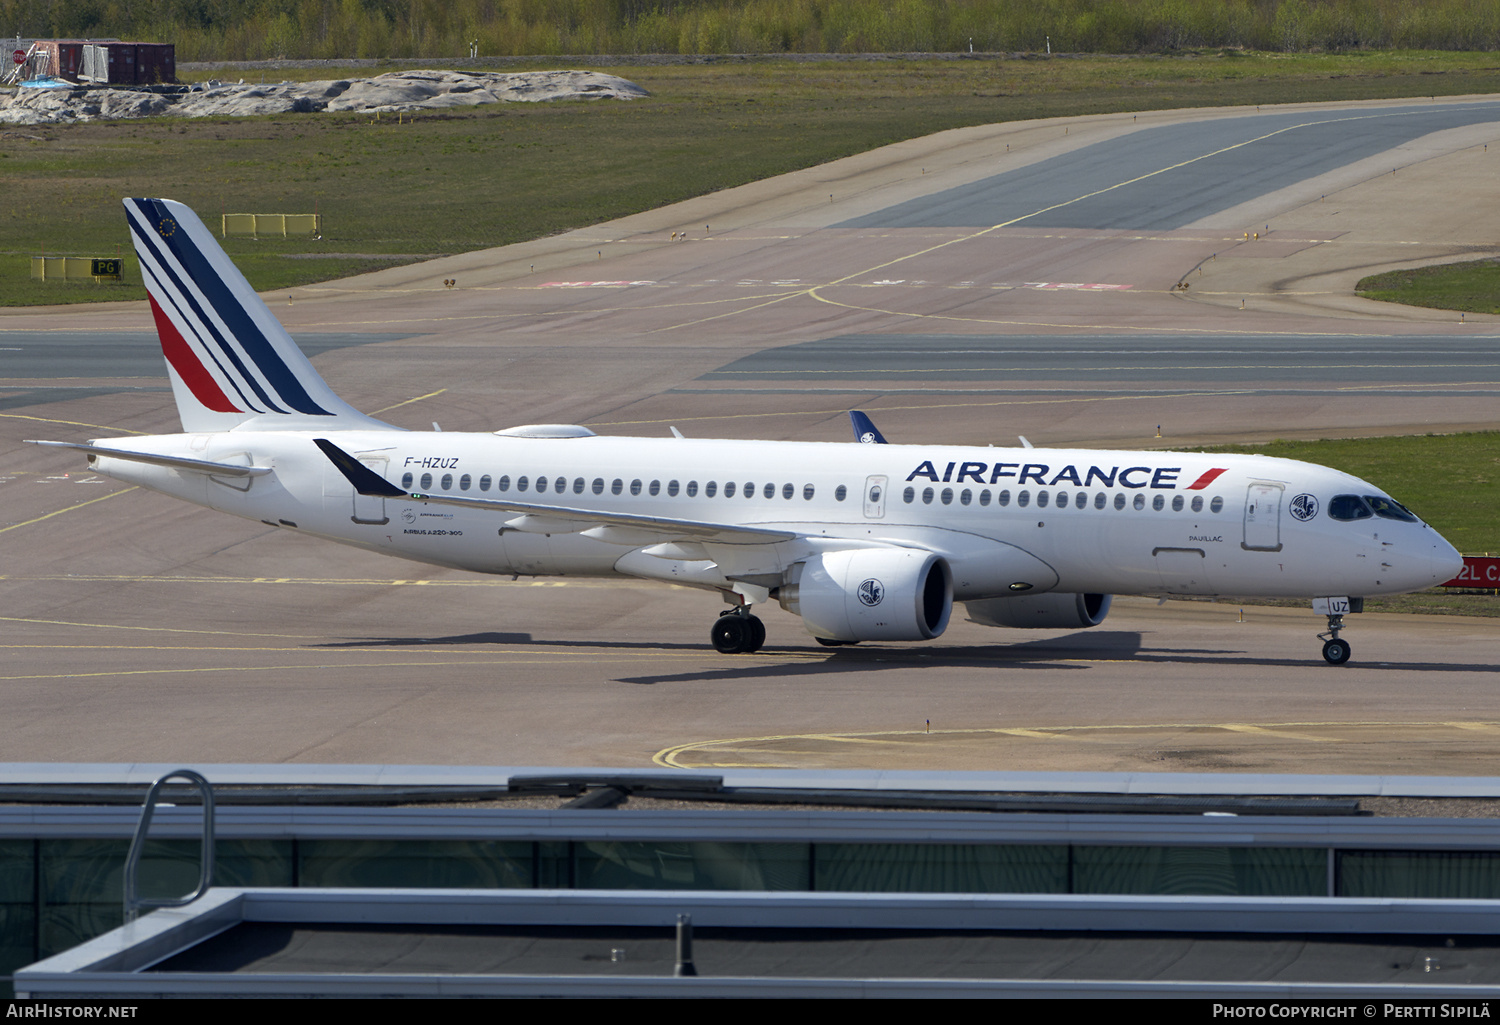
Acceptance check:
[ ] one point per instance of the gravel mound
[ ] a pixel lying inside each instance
(397, 91)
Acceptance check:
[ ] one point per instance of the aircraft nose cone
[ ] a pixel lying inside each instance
(1446, 562)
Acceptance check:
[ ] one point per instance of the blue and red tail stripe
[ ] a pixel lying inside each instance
(209, 334)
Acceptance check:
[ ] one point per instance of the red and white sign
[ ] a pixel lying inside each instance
(19, 56)
(1478, 571)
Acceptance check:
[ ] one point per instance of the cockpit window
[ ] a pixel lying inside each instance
(1390, 509)
(1348, 507)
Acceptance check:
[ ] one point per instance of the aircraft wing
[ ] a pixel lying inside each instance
(558, 519)
(176, 462)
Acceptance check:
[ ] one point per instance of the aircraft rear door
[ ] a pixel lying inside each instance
(875, 497)
(1263, 517)
(367, 508)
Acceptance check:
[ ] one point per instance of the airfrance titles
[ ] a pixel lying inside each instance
(1044, 475)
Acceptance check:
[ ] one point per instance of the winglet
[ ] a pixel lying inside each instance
(365, 480)
(865, 430)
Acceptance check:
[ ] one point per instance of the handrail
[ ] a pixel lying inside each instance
(134, 902)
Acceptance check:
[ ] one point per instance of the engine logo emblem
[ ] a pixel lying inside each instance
(1304, 507)
(871, 592)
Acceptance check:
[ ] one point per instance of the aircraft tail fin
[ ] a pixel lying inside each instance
(230, 360)
(864, 429)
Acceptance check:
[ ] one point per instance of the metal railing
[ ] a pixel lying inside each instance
(133, 901)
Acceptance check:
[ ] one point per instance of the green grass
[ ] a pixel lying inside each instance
(1450, 480)
(454, 181)
(1473, 287)
(267, 270)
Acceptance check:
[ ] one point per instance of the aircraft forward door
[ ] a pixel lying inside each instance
(875, 497)
(1263, 517)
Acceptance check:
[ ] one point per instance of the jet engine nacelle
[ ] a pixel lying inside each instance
(1041, 611)
(871, 594)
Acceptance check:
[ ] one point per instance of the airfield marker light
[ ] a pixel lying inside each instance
(1158, 430)
(1242, 615)
(1242, 304)
(929, 725)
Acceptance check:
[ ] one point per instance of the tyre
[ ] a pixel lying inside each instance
(729, 634)
(1336, 652)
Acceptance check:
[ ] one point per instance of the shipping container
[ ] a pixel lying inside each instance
(155, 62)
(64, 57)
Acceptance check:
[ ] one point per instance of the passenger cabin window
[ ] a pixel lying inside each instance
(463, 482)
(908, 496)
(616, 486)
(426, 482)
(654, 489)
(729, 487)
(840, 493)
(807, 492)
(598, 486)
(1197, 503)
(671, 489)
(503, 484)
(484, 483)
(1003, 499)
(692, 488)
(1120, 501)
(578, 483)
(984, 498)
(406, 482)
(522, 483)
(788, 490)
(1023, 499)
(1216, 505)
(541, 485)
(710, 489)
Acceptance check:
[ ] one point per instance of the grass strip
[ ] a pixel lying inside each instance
(1473, 287)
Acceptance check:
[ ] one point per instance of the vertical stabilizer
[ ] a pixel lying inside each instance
(230, 360)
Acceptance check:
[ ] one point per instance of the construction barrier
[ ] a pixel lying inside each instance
(75, 268)
(256, 225)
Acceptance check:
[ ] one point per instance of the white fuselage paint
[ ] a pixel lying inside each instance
(1253, 544)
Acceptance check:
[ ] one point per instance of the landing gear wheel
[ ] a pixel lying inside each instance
(737, 634)
(757, 633)
(1336, 652)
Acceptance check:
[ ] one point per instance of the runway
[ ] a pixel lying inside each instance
(140, 629)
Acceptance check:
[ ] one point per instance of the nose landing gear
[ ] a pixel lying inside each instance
(1336, 650)
(737, 632)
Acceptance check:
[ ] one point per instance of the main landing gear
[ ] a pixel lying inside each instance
(737, 632)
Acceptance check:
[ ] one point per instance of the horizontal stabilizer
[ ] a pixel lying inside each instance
(176, 462)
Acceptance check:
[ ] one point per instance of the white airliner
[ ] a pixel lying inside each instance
(863, 542)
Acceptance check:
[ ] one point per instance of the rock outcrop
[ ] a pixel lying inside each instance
(397, 91)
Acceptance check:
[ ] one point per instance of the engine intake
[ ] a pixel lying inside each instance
(1041, 611)
(871, 594)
